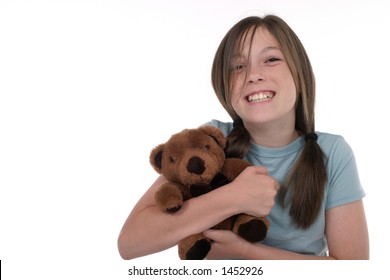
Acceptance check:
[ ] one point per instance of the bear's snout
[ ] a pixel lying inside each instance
(196, 165)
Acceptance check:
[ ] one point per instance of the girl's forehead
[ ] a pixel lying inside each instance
(256, 38)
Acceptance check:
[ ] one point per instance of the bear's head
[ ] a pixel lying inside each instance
(192, 156)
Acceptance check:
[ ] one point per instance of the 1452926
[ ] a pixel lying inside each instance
(242, 270)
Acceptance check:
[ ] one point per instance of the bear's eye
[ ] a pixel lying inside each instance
(207, 147)
(172, 159)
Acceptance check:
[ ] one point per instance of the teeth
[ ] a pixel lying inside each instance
(262, 96)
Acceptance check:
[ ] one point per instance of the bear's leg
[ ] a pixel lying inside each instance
(169, 197)
(251, 228)
(199, 251)
(194, 247)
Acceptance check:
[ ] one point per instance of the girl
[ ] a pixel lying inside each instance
(305, 182)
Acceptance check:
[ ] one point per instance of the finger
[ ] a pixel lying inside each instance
(262, 170)
(211, 233)
(215, 234)
(277, 186)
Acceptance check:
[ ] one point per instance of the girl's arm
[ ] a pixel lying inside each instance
(346, 232)
(148, 230)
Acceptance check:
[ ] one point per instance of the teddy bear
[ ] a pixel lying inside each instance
(194, 163)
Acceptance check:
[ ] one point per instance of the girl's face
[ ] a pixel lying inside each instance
(263, 89)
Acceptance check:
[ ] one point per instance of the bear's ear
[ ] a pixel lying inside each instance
(215, 133)
(156, 157)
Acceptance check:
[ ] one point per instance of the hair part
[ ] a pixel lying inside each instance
(306, 179)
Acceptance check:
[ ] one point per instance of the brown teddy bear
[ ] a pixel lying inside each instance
(194, 163)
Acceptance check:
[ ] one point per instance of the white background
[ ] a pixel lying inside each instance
(88, 88)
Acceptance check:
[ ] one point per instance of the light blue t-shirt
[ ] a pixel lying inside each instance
(343, 187)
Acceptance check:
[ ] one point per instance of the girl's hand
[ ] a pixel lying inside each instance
(226, 245)
(254, 191)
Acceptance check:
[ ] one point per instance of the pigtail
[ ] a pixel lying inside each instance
(238, 141)
(307, 181)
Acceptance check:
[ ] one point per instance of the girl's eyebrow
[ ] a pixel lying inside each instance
(266, 49)
(238, 56)
(270, 49)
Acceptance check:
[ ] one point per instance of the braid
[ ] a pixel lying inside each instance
(307, 181)
(237, 141)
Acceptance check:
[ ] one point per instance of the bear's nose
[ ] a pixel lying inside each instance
(196, 165)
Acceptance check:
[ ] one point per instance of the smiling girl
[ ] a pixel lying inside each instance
(306, 182)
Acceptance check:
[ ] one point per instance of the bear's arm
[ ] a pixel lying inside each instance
(233, 167)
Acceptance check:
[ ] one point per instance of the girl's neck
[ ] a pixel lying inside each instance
(272, 136)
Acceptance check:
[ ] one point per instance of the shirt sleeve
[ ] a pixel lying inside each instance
(343, 179)
(226, 127)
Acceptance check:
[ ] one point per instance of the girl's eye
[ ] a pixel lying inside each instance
(272, 60)
(238, 68)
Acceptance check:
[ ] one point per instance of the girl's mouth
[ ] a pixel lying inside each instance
(260, 96)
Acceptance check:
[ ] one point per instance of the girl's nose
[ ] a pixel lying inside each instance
(255, 74)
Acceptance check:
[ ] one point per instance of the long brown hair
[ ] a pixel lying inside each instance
(307, 177)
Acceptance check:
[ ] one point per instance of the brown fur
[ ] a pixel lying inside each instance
(194, 163)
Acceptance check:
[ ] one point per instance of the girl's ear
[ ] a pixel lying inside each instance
(155, 157)
(216, 134)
